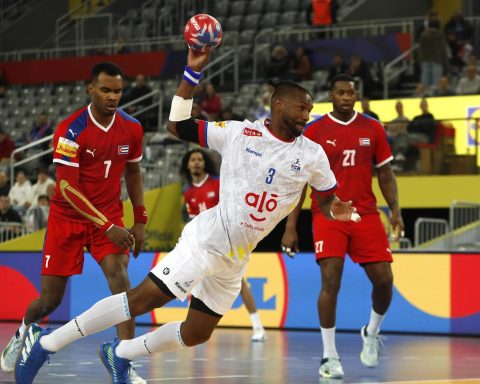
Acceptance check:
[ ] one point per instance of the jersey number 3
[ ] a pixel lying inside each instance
(349, 157)
(269, 178)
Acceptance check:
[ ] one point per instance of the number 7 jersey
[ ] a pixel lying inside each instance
(100, 154)
(261, 181)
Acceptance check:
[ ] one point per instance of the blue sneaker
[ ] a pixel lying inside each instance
(118, 368)
(32, 355)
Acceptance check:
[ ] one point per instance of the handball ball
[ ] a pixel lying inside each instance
(201, 31)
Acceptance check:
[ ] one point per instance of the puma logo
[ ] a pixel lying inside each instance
(331, 142)
(72, 133)
(92, 152)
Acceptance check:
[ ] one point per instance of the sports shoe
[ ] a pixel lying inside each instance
(259, 335)
(10, 353)
(371, 347)
(32, 355)
(118, 368)
(331, 368)
(134, 377)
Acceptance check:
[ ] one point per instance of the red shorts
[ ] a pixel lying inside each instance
(64, 243)
(365, 242)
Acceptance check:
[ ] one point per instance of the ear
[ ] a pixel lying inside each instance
(90, 88)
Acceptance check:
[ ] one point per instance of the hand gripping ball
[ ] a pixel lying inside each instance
(201, 31)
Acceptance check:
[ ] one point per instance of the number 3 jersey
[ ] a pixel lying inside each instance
(353, 149)
(100, 154)
(261, 181)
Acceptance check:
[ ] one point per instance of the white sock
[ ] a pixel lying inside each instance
(373, 327)
(256, 322)
(22, 328)
(164, 339)
(102, 315)
(328, 338)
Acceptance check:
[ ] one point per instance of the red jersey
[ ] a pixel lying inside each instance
(352, 148)
(202, 196)
(101, 155)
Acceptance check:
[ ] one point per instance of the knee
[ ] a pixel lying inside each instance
(330, 285)
(384, 282)
(118, 279)
(194, 337)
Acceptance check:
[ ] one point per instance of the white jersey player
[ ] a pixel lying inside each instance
(264, 169)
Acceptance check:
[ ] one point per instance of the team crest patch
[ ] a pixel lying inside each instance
(296, 167)
(66, 147)
(364, 141)
(220, 124)
(251, 132)
(123, 149)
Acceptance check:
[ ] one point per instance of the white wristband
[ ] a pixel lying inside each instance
(181, 109)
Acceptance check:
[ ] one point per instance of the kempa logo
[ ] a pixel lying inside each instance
(253, 152)
(179, 286)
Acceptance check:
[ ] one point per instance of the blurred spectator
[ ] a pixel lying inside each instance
(301, 66)
(121, 46)
(432, 19)
(126, 91)
(3, 85)
(212, 102)
(20, 193)
(8, 215)
(422, 128)
(6, 147)
(432, 55)
(279, 64)
(228, 114)
(263, 111)
(404, 156)
(44, 186)
(420, 91)
(198, 112)
(41, 129)
(443, 88)
(141, 89)
(358, 69)
(470, 83)
(461, 28)
(337, 67)
(322, 12)
(4, 183)
(37, 216)
(366, 109)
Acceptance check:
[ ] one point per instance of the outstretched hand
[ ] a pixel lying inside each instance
(343, 211)
(197, 60)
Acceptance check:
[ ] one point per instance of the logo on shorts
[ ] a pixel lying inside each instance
(188, 283)
(179, 286)
(166, 271)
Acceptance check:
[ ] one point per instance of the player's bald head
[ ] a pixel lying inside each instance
(287, 90)
(107, 67)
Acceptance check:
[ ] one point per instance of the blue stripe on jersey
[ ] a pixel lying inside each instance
(313, 121)
(205, 134)
(126, 116)
(75, 128)
(369, 117)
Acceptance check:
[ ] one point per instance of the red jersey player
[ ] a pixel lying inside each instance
(200, 193)
(93, 148)
(353, 142)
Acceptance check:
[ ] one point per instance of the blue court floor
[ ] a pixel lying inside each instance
(286, 357)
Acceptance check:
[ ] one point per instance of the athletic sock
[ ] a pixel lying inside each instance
(328, 339)
(102, 315)
(164, 339)
(373, 327)
(256, 322)
(21, 330)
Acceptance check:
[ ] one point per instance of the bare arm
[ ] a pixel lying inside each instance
(388, 186)
(134, 184)
(290, 236)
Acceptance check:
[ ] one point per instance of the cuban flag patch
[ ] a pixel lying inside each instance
(123, 149)
(364, 141)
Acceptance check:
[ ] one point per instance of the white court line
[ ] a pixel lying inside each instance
(452, 381)
(201, 377)
(85, 363)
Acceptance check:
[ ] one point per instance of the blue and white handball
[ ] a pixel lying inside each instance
(201, 31)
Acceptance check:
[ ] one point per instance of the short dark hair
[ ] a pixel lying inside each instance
(342, 77)
(108, 67)
(210, 166)
(285, 87)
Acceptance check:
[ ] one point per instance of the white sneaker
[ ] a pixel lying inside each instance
(134, 377)
(331, 368)
(10, 353)
(259, 335)
(371, 347)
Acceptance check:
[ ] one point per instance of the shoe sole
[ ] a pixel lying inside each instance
(100, 354)
(365, 364)
(325, 376)
(21, 348)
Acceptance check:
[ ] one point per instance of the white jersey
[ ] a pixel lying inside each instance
(261, 181)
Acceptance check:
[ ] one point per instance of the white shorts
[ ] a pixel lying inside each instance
(213, 279)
